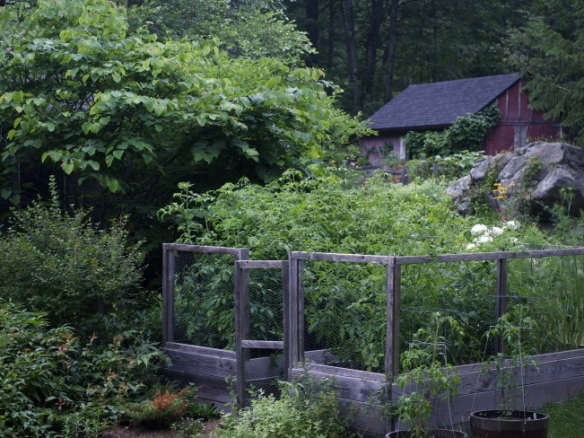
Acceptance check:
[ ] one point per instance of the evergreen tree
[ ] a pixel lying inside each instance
(549, 50)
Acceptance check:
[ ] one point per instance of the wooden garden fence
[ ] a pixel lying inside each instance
(559, 375)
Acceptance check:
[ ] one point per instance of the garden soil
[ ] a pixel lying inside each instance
(127, 432)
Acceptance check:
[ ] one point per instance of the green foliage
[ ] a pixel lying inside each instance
(553, 298)
(513, 330)
(63, 264)
(53, 383)
(123, 112)
(565, 418)
(342, 301)
(253, 29)
(466, 133)
(188, 428)
(303, 410)
(426, 143)
(345, 303)
(427, 376)
(450, 166)
(399, 43)
(547, 49)
(469, 132)
(168, 406)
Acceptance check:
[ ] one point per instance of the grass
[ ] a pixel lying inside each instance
(566, 418)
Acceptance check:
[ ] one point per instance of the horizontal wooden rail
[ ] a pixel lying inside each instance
(480, 256)
(202, 249)
(264, 345)
(556, 377)
(261, 264)
(335, 257)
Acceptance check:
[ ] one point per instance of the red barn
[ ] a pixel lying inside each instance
(435, 106)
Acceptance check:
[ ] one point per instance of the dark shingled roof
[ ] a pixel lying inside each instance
(440, 103)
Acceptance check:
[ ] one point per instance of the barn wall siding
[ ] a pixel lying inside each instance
(373, 147)
(518, 122)
(518, 125)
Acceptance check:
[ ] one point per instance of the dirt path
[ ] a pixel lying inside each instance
(128, 432)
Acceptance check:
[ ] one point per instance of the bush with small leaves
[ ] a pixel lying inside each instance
(296, 414)
(63, 264)
(52, 381)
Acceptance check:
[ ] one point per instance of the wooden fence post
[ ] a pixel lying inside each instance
(404, 177)
(170, 290)
(168, 272)
(501, 301)
(295, 338)
(393, 280)
(300, 307)
(164, 295)
(292, 311)
(241, 298)
(286, 313)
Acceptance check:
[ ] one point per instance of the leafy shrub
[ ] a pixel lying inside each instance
(450, 166)
(303, 411)
(345, 303)
(322, 214)
(429, 376)
(171, 407)
(64, 265)
(466, 133)
(188, 427)
(52, 382)
(132, 104)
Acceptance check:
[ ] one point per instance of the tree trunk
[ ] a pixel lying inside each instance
(311, 9)
(376, 15)
(435, 55)
(351, 42)
(331, 35)
(389, 55)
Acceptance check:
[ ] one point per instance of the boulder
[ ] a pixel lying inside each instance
(549, 190)
(482, 168)
(458, 192)
(540, 172)
(487, 164)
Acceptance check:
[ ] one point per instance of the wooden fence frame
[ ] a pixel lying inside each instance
(202, 363)
(242, 343)
(209, 367)
(296, 308)
(356, 387)
(169, 251)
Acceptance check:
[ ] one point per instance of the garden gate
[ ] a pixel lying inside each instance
(215, 369)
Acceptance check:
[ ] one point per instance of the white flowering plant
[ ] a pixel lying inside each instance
(500, 235)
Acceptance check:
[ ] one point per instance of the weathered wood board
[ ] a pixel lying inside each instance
(212, 369)
(557, 377)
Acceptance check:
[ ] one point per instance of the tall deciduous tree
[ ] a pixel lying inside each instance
(389, 52)
(351, 42)
(252, 28)
(125, 112)
(392, 43)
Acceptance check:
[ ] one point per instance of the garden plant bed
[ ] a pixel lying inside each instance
(558, 376)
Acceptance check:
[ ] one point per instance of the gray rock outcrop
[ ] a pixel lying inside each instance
(539, 172)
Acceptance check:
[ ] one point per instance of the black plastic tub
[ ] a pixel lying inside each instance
(505, 424)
